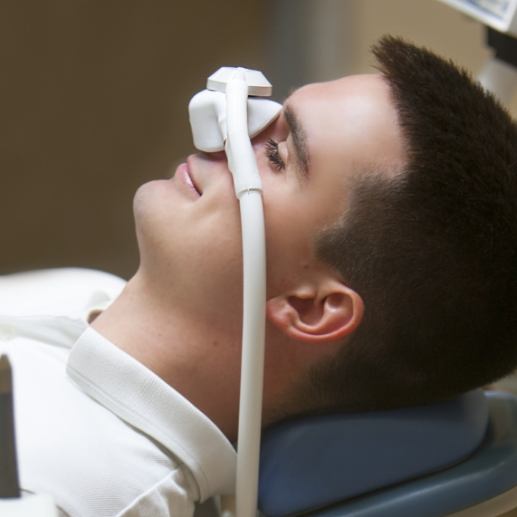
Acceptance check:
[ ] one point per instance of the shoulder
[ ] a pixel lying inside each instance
(57, 291)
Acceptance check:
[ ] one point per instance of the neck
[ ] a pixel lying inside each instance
(176, 346)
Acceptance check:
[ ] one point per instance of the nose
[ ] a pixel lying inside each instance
(216, 156)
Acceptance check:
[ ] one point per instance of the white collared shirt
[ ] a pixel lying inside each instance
(96, 429)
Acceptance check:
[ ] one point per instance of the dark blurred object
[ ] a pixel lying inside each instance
(504, 46)
(9, 486)
(94, 103)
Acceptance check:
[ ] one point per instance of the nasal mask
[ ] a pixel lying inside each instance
(235, 94)
(226, 115)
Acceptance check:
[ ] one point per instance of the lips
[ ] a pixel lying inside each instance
(186, 178)
(190, 181)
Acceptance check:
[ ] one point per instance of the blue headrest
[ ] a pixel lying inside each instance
(316, 461)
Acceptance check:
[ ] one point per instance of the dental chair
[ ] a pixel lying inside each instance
(453, 458)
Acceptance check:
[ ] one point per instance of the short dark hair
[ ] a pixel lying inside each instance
(433, 251)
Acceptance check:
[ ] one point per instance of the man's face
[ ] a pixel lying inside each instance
(190, 244)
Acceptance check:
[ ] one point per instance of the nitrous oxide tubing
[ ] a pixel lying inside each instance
(248, 187)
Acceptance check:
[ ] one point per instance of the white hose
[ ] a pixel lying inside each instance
(241, 160)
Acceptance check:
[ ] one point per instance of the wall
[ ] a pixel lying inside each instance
(93, 103)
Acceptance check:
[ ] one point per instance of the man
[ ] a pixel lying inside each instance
(390, 205)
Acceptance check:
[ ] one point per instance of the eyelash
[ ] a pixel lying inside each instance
(273, 155)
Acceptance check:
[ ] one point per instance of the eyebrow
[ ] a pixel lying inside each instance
(299, 140)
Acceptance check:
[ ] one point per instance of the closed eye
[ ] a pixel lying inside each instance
(273, 155)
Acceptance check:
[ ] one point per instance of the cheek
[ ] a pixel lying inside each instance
(289, 245)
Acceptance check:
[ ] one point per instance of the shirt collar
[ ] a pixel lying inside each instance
(141, 398)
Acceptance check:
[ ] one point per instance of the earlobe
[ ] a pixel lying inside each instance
(324, 315)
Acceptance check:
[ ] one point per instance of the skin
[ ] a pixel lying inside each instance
(180, 315)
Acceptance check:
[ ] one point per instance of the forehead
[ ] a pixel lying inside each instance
(368, 89)
(346, 82)
(352, 119)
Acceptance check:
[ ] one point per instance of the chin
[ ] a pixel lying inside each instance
(143, 199)
(150, 220)
(152, 206)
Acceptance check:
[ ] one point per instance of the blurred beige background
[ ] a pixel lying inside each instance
(94, 98)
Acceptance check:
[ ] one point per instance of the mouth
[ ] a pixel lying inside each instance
(191, 181)
(186, 177)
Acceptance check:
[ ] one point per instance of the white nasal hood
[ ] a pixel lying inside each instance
(207, 109)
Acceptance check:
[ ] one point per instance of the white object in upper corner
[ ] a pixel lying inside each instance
(501, 15)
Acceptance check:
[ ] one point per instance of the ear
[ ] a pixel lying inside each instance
(317, 314)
